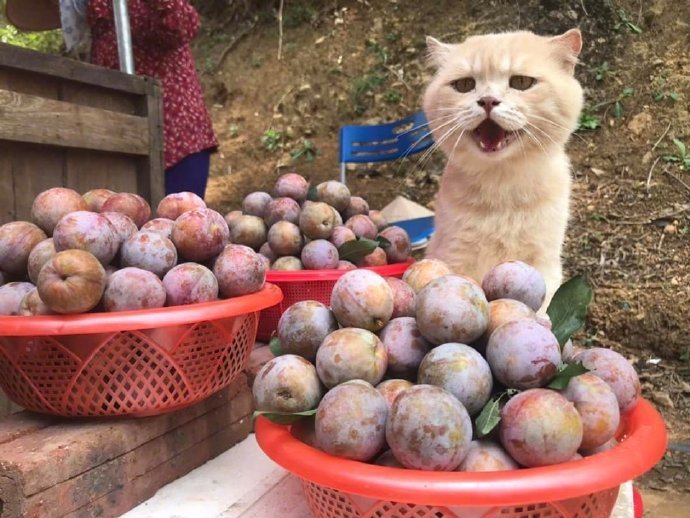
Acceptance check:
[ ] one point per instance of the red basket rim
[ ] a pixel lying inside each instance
(333, 275)
(89, 323)
(644, 445)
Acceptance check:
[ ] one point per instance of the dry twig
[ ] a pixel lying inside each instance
(234, 42)
(280, 30)
(678, 180)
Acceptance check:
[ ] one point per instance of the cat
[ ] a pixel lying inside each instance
(502, 107)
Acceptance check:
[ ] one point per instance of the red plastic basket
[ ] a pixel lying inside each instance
(310, 285)
(337, 487)
(131, 363)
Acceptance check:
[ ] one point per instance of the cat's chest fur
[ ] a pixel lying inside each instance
(518, 213)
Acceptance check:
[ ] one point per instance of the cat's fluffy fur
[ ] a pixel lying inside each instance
(512, 203)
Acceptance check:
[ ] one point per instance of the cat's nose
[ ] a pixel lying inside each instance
(488, 103)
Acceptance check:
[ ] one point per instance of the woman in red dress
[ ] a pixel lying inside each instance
(161, 33)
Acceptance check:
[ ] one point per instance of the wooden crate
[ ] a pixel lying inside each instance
(51, 467)
(72, 124)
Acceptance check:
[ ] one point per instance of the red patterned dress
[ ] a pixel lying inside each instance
(161, 33)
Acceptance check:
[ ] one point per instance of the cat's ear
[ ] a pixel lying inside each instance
(437, 52)
(569, 46)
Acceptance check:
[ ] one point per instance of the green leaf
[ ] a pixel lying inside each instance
(674, 96)
(383, 242)
(566, 371)
(568, 308)
(680, 145)
(634, 28)
(489, 417)
(354, 251)
(628, 91)
(617, 110)
(284, 417)
(274, 345)
(312, 194)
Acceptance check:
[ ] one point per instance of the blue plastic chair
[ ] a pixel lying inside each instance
(384, 142)
(387, 142)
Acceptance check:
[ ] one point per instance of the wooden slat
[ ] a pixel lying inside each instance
(28, 118)
(57, 66)
(154, 164)
(87, 95)
(88, 170)
(7, 205)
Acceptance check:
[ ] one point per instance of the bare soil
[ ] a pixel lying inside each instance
(358, 62)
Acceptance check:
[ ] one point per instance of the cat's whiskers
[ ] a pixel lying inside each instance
(543, 132)
(535, 139)
(545, 119)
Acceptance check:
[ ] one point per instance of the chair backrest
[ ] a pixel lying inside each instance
(385, 142)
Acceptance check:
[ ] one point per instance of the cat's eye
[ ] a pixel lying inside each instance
(521, 82)
(464, 84)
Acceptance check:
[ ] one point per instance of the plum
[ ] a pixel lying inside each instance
(404, 298)
(267, 252)
(341, 235)
(615, 370)
(163, 226)
(177, 203)
(282, 209)
(357, 205)
(287, 263)
(129, 204)
(428, 429)
(460, 370)
(345, 265)
(608, 445)
(362, 298)
(32, 305)
(122, 224)
(597, 405)
(540, 427)
(523, 354)
(285, 238)
(133, 288)
(149, 251)
(421, 273)
(89, 231)
(335, 194)
(362, 226)
(487, 456)
(17, 240)
(303, 326)
(189, 283)
(254, 204)
(451, 309)
(316, 221)
(320, 255)
(351, 353)
(71, 281)
(95, 198)
(337, 218)
(200, 234)
(351, 421)
(50, 206)
(11, 296)
(239, 271)
(388, 459)
(231, 217)
(405, 347)
(378, 218)
(515, 280)
(3, 278)
(376, 258)
(291, 185)
(249, 231)
(502, 311)
(400, 248)
(40, 255)
(569, 351)
(391, 388)
(287, 383)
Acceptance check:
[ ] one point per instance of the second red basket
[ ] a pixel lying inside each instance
(310, 285)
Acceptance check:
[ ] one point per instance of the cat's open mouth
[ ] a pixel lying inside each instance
(491, 137)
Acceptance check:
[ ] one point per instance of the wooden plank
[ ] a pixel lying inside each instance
(88, 95)
(7, 200)
(152, 168)
(28, 118)
(32, 84)
(34, 169)
(88, 170)
(16, 58)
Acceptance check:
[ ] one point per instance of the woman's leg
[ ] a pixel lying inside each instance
(190, 174)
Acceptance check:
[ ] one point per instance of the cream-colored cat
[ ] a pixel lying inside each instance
(502, 107)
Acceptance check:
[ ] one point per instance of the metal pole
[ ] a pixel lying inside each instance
(124, 36)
